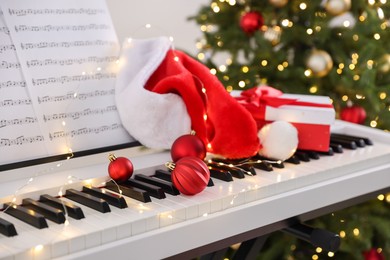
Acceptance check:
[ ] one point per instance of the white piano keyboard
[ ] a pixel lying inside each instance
(166, 227)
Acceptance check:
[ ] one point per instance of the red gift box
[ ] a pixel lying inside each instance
(312, 115)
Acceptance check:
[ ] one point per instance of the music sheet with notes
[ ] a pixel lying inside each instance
(58, 67)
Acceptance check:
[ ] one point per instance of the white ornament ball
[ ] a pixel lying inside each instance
(320, 63)
(337, 7)
(279, 140)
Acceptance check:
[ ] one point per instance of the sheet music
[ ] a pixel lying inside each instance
(16, 110)
(68, 53)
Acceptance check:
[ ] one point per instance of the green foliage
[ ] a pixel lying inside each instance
(366, 85)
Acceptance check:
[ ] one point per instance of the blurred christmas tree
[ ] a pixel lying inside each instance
(336, 48)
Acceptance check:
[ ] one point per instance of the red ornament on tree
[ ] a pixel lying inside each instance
(373, 254)
(120, 169)
(251, 22)
(354, 114)
(188, 145)
(190, 175)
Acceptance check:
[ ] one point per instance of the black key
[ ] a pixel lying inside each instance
(235, 172)
(7, 228)
(164, 175)
(248, 168)
(26, 215)
(88, 200)
(47, 211)
(330, 152)
(167, 186)
(112, 198)
(303, 156)
(293, 159)
(348, 144)
(312, 154)
(210, 183)
(274, 163)
(131, 192)
(263, 165)
(153, 190)
(220, 174)
(359, 141)
(337, 148)
(367, 141)
(72, 210)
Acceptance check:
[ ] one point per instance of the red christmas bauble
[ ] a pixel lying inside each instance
(120, 169)
(188, 145)
(373, 254)
(251, 22)
(190, 175)
(354, 114)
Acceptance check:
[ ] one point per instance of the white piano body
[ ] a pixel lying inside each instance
(187, 226)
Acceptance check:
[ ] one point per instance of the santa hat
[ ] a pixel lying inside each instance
(163, 93)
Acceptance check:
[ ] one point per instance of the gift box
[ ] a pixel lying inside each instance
(312, 115)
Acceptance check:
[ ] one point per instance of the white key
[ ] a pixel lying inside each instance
(5, 253)
(29, 242)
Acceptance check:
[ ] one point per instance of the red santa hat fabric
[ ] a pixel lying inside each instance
(163, 93)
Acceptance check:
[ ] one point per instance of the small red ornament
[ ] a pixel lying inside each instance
(251, 22)
(190, 175)
(120, 169)
(188, 145)
(354, 114)
(373, 254)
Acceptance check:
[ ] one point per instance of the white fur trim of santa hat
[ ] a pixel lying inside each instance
(155, 120)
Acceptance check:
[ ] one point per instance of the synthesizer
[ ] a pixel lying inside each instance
(70, 209)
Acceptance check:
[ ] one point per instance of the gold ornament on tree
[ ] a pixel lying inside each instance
(384, 63)
(272, 34)
(337, 7)
(278, 3)
(319, 62)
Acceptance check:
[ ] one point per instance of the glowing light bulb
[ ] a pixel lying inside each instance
(38, 248)
(241, 84)
(346, 24)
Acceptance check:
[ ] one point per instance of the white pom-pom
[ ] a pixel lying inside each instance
(279, 140)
